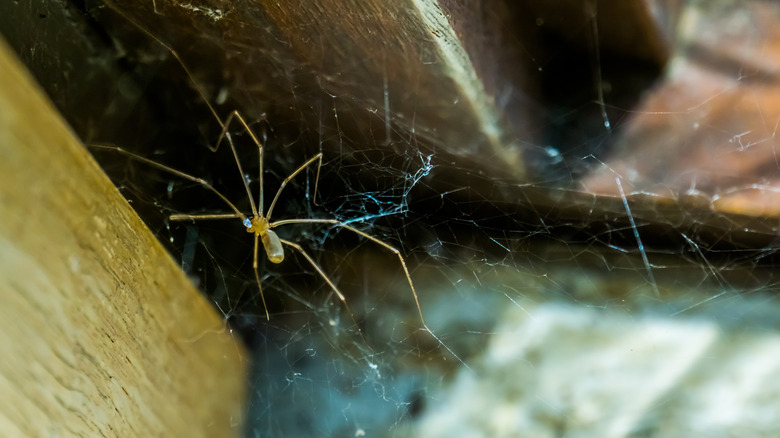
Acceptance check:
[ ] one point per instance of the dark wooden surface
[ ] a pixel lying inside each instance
(394, 75)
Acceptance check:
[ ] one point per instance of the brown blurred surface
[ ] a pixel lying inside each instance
(708, 129)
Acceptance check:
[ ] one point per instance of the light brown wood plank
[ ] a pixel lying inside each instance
(100, 332)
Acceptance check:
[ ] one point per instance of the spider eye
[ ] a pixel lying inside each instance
(247, 223)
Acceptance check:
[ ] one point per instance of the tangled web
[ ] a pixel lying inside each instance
(612, 288)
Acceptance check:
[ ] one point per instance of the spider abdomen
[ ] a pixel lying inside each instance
(273, 246)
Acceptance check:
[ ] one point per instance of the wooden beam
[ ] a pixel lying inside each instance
(377, 73)
(100, 333)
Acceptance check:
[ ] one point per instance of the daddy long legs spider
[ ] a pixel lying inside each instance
(259, 222)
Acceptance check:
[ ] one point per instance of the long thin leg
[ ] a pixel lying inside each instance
(257, 277)
(198, 88)
(395, 251)
(194, 217)
(291, 176)
(324, 277)
(224, 125)
(173, 171)
(226, 134)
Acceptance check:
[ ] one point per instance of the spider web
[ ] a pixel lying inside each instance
(594, 298)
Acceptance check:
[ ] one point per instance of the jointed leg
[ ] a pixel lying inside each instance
(324, 277)
(195, 217)
(224, 125)
(400, 259)
(225, 134)
(395, 251)
(173, 171)
(257, 277)
(291, 176)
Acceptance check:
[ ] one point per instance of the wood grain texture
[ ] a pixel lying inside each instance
(379, 73)
(100, 333)
(411, 52)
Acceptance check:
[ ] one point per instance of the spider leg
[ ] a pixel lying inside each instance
(257, 277)
(194, 217)
(391, 248)
(291, 176)
(225, 125)
(225, 134)
(173, 171)
(324, 277)
(235, 115)
(387, 246)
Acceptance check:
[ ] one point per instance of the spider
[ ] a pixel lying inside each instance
(259, 222)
